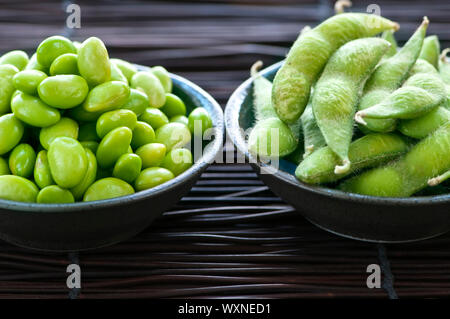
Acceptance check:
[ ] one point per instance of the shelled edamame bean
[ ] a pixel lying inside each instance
(76, 125)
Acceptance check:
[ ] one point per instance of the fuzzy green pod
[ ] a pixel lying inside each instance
(151, 86)
(420, 127)
(54, 194)
(337, 92)
(312, 136)
(421, 92)
(368, 151)
(11, 132)
(18, 189)
(430, 50)
(7, 73)
(439, 179)
(444, 67)
(93, 61)
(411, 173)
(388, 76)
(17, 58)
(42, 174)
(310, 53)
(390, 37)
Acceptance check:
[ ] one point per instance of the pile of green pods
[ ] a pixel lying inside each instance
(355, 112)
(76, 125)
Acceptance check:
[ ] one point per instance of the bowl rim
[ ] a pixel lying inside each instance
(233, 130)
(209, 154)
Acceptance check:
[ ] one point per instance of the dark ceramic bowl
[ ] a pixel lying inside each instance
(87, 225)
(367, 218)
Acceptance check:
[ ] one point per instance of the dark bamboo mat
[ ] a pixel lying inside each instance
(230, 236)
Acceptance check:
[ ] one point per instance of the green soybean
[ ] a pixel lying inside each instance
(180, 119)
(411, 173)
(154, 117)
(33, 64)
(7, 72)
(92, 145)
(143, 134)
(117, 75)
(11, 132)
(151, 154)
(42, 174)
(107, 188)
(368, 151)
(310, 53)
(388, 76)
(431, 50)
(54, 194)
(113, 119)
(137, 102)
(88, 178)
(22, 160)
(65, 127)
(177, 161)
(65, 64)
(151, 177)
(53, 47)
(199, 121)
(67, 161)
(420, 127)
(164, 77)
(18, 189)
(28, 81)
(420, 93)
(113, 145)
(63, 91)
(88, 132)
(80, 114)
(33, 111)
(93, 61)
(17, 58)
(4, 167)
(128, 167)
(337, 92)
(151, 86)
(106, 97)
(173, 106)
(127, 68)
(173, 135)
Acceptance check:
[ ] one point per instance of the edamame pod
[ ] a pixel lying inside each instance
(151, 86)
(444, 67)
(18, 189)
(164, 77)
(11, 132)
(107, 188)
(33, 111)
(439, 179)
(422, 126)
(54, 194)
(93, 61)
(88, 178)
(420, 93)
(312, 136)
(113, 119)
(310, 53)
(28, 81)
(65, 64)
(431, 50)
(7, 72)
(337, 92)
(67, 161)
(63, 91)
(128, 167)
(53, 47)
(65, 127)
(388, 76)
(368, 151)
(113, 145)
(411, 173)
(389, 37)
(106, 97)
(17, 58)
(22, 160)
(42, 174)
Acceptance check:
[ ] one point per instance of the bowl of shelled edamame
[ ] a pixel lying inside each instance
(353, 134)
(93, 149)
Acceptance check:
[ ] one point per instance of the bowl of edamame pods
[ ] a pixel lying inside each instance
(93, 149)
(353, 131)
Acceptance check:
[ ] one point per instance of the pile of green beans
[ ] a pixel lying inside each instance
(76, 125)
(374, 119)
